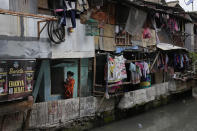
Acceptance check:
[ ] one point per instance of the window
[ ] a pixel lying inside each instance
(43, 7)
(57, 79)
(64, 78)
(46, 6)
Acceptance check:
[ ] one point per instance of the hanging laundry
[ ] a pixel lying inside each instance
(146, 83)
(175, 60)
(156, 31)
(181, 60)
(146, 33)
(69, 5)
(82, 5)
(116, 69)
(135, 73)
(186, 60)
(166, 63)
(139, 71)
(145, 69)
(172, 24)
(117, 29)
(111, 69)
(140, 65)
(115, 88)
(120, 65)
(160, 62)
(158, 20)
(70, 8)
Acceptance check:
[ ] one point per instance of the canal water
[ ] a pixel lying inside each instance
(177, 116)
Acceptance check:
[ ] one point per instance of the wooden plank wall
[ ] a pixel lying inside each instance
(56, 113)
(27, 6)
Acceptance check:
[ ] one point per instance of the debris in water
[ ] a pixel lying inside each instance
(140, 125)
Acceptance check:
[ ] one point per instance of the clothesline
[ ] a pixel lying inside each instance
(112, 85)
(129, 61)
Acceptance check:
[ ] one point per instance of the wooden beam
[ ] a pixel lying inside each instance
(8, 12)
(129, 61)
(94, 73)
(155, 61)
(38, 26)
(47, 80)
(112, 85)
(79, 78)
(38, 82)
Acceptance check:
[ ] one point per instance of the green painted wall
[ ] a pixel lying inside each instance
(86, 77)
(74, 68)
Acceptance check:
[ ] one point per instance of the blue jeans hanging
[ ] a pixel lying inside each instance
(72, 14)
(73, 18)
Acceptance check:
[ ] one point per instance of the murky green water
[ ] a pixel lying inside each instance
(179, 116)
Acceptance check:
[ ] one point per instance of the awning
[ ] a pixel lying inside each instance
(165, 46)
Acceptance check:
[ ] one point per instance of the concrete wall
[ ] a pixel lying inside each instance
(58, 113)
(18, 39)
(76, 44)
(142, 96)
(69, 112)
(4, 4)
(28, 6)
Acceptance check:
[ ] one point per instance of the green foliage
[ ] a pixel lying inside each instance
(193, 56)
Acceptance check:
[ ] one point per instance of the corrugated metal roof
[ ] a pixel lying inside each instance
(166, 46)
(173, 11)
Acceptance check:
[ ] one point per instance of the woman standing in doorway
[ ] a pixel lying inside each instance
(69, 85)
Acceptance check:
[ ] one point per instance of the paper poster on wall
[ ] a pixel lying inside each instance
(16, 77)
(29, 75)
(3, 78)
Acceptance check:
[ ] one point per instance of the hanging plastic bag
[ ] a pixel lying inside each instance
(146, 33)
